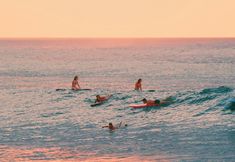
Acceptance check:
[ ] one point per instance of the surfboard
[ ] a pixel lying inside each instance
(98, 103)
(63, 89)
(139, 106)
(151, 90)
(60, 89)
(82, 90)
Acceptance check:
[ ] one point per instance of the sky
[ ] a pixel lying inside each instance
(117, 18)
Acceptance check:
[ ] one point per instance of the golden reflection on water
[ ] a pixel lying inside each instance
(56, 154)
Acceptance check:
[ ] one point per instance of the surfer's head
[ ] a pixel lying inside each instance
(144, 100)
(157, 101)
(139, 80)
(111, 126)
(75, 78)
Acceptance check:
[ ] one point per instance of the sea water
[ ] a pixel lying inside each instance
(38, 123)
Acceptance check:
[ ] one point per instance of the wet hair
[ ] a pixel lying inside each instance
(76, 77)
(110, 124)
(157, 101)
(144, 100)
(97, 95)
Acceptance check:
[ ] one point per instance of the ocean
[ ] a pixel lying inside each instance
(40, 123)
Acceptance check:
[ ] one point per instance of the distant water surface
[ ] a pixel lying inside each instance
(39, 123)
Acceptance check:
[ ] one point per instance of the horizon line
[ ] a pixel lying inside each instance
(2, 38)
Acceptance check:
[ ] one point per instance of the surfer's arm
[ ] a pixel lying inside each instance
(120, 124)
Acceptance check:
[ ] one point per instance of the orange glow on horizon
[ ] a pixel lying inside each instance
(112, 18)
(57, 154)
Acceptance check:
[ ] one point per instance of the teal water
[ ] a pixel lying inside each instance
(39, 123)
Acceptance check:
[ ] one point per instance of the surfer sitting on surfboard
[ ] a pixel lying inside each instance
(138, 85)
(111, 127)
(75, 85)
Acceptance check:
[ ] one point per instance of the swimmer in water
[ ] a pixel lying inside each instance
(111, 127)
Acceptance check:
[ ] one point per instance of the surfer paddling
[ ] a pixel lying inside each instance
(156, 102)
(102, 98)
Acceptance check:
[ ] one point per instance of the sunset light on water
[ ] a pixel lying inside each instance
(117, 81)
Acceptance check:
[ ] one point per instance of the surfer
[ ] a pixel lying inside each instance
(151, 102)
(138, 85)
(111, 127)
(75, 85)
(102, 98)
(156, 102)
